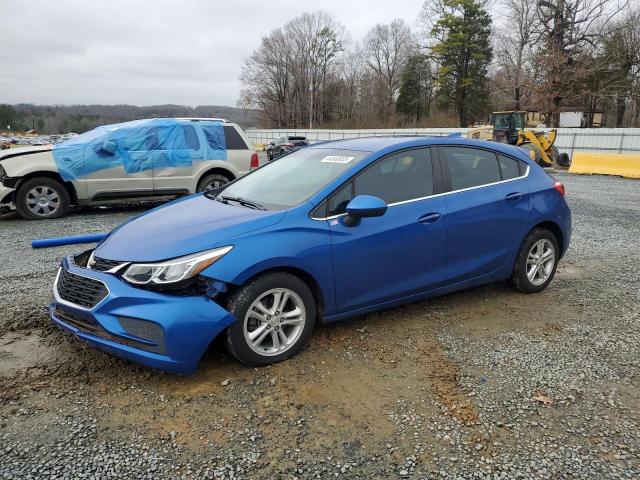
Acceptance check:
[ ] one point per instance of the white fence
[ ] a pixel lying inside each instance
(609, 140)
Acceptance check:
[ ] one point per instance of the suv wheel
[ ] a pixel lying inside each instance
(275, 315)
(212, 181)
(536, 262)
(41, 198)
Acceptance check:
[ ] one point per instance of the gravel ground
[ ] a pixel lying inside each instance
(486, 383)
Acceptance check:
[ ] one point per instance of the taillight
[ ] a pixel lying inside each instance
(255, 163)
(559, 187)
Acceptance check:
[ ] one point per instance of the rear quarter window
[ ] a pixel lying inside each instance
(510, 168)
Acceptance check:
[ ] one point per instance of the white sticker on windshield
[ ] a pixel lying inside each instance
(337, 159)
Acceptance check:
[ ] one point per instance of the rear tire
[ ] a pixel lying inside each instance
(536, 154)
(42, 198)
(536, 263)
(275, 313)
(212, 181)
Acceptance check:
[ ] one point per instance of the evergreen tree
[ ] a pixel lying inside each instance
(416, 88)
(464, 53)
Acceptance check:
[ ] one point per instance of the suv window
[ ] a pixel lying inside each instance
(213, 137)
(191, 137)
(471, 167)
(402, 176)
(510, 168)
(233, 139)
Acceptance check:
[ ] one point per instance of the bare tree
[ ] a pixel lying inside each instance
(384, 52)
(287, 75)
(516, 42)
(569, 28)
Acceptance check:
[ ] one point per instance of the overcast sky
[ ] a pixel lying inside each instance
(146, 52)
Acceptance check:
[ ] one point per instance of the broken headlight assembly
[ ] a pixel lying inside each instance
(173, 271)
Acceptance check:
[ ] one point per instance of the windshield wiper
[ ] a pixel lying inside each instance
(241, 201)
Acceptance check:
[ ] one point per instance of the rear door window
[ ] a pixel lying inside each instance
(233, 139)
(471, 167)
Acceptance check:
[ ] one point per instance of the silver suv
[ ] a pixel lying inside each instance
(143, 159)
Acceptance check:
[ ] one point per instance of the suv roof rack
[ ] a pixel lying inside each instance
(197, 119)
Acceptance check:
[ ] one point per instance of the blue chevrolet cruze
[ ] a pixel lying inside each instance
(334, 230)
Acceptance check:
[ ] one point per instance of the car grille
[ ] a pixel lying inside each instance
(152, 331)
(102, 264)
(79, 290)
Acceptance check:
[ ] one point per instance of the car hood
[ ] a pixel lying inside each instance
(18, 151)
(192, 224)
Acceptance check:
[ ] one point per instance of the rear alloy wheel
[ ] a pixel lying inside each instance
(42, 198)
(275, 317)
(536, 262)
(212, 181)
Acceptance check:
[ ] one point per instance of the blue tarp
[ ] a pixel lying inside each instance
(140, 145)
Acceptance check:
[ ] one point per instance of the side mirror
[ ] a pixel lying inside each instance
(109, 147)
(364, 206)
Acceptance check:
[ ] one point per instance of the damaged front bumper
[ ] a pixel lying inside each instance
(160, 330)
(6, 198)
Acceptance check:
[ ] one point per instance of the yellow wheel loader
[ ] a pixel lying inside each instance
(509, 127)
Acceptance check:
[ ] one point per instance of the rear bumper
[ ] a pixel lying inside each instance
(163, 331)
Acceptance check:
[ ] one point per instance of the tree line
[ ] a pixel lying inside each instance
(452, 69)
(48, 119)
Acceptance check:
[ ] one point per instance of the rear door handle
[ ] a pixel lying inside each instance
(514, 197)
(429, 217)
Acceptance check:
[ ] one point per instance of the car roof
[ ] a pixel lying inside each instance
(373, 144)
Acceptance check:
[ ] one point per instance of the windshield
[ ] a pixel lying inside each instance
(294, 178)
(518, 120)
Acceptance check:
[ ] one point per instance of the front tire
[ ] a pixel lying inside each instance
(536, 262)
(42, 198)
(275, 313)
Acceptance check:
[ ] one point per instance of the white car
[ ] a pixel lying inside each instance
(125, 161)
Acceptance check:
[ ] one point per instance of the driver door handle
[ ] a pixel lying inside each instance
(429, 217)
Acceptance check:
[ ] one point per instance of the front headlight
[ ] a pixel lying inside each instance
(173, 271)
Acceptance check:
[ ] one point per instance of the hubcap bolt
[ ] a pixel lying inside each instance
(277, 328)
(277, 313)
(268, 317)
(281, 319)
(268, 327)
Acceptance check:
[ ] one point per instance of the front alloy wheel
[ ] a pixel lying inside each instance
(274, 322)
(275, 314)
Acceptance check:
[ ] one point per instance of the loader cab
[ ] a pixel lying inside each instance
(506, 126)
